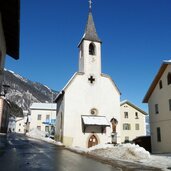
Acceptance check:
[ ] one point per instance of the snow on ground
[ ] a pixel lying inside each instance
(37, 134)
(123, 152)
(128, 152)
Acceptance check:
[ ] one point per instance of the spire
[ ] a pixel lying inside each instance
(90, 30)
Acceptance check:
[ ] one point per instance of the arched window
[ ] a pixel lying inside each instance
(169, 78)
(92, 49)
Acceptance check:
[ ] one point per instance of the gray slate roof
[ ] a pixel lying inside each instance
(90, 30)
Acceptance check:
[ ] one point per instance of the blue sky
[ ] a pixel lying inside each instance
(136, 36)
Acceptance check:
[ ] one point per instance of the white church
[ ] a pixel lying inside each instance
(90, 99)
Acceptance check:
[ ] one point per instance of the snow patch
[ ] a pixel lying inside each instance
(47, 88)
(128, 152)
(41, 135)
(123, 151)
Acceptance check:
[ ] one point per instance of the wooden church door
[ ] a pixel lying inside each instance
(92, 141)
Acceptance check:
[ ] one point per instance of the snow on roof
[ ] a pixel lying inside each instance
(95, 120)
(45, 106)
(167, 61)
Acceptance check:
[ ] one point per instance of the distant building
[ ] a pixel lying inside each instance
(22, 123)
(90, 100)
(9, 40)
(43, 117)
(158, 98)
(132, 121)
(11, 124)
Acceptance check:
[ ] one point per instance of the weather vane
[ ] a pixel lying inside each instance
(90, 2)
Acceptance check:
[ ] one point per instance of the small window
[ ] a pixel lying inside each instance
(126, 114)
(126, 126)
(39, 117)
(160, 84)
(137, 127)
(91, 49)
(169, 78)
(47, 117)
(136, 115)
(156, 108)
(158, 134)
(169, 104)
(46, 128)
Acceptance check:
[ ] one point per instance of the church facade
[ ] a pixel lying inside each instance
(90, 99)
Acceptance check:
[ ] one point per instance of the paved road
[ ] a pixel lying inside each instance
(19, 153)
(22, 154)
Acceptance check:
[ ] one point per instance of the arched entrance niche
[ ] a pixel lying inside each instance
(92, 141)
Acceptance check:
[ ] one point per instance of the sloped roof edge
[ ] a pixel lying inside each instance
(156, 79)
(62, 92)
(107, 76)
(134, 106)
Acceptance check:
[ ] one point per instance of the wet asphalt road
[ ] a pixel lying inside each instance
(24, 154)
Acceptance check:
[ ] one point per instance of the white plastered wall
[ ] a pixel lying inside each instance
(80, 98)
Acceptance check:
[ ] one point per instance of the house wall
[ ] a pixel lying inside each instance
(80, 98)
(2, 44)
(12, 124)
(161, 120)
(4, 115)
(35, 123)
(2, 51)
(59, 120)
(1, 111)
(20, 125)
(132, 120)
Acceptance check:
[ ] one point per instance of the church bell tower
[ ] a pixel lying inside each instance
(90, 50)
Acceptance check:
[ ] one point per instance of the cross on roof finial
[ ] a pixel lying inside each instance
(90, 2)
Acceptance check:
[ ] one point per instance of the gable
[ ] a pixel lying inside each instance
(62, 92)
(113, 83)
(133, 106)
(156, 80)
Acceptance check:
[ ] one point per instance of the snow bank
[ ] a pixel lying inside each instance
(128, 152)
(123, 151)
(41, 135)
(35, 133)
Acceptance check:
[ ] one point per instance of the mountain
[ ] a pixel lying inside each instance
(24, 92)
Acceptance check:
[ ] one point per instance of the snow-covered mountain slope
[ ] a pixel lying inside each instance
(23, 92)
